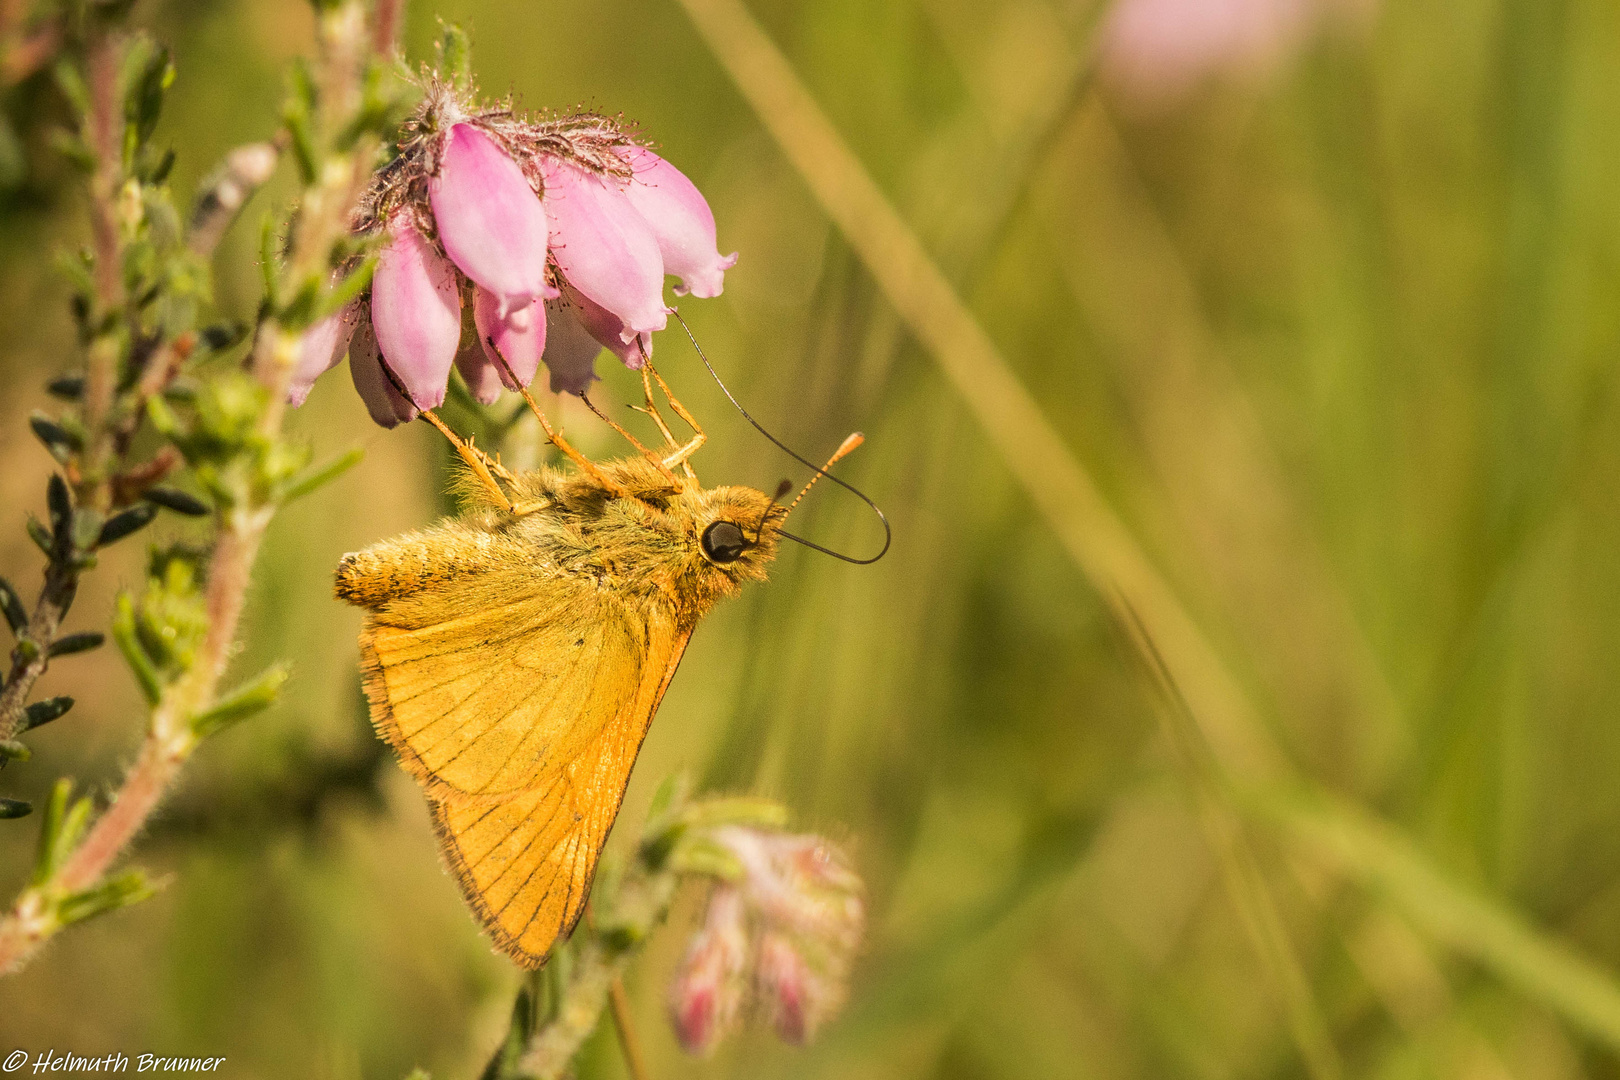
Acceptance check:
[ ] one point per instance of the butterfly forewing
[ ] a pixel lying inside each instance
(523, 719)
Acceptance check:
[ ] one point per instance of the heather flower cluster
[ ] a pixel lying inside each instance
(782, 937)
(554, 235)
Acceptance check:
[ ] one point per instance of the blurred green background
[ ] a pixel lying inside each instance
(1336, 341)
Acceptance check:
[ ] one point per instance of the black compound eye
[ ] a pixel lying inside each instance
(723, 542)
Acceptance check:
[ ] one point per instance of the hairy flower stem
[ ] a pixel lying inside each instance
(168, 744)
(596, 969)
(30, 923)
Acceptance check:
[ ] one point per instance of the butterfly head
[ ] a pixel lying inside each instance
(733, 534)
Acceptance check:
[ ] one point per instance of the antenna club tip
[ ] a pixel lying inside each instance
(855, 439)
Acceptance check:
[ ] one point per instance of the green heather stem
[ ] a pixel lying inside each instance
(31, 656)
(170, 738)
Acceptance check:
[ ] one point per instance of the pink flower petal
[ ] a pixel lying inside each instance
(706, 996)
(680, 220)
(491, 222)
(605, 247)
(385, 404)
(631, 349)
(482, 377)
(571, 351)
(320, 349)
(791, 992)
(416, 312)
(519, 337)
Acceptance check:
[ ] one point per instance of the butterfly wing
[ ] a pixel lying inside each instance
(522, 714)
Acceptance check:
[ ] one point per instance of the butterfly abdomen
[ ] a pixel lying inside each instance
(418, 562)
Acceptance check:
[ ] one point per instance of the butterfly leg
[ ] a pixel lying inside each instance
(682, 453)
(651, 409)
(586, 465)
(658, 418)
(632, 440)
(476, 460)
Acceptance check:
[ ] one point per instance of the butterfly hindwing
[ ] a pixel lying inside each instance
(520, 705)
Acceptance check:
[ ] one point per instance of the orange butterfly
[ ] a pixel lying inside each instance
(514, 656)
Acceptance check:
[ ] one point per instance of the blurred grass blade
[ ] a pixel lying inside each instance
(1032, 449)
(316, 479)
(1244, 879)
(1477, 926)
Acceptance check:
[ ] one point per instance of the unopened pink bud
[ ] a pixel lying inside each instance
(802, 884)
(416, 312)
(681, 220)
(518, 336)
(490, 221)
(605, 248)
(706, 996)
(320, 349)
(385, 404)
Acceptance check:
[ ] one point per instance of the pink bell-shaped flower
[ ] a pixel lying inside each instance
(571, 351)
(519, 337)
(490, 221)
(606, 327)
(385, 404)
(483, 377)
(796, 997)
(680, 219)
(320, 349)
(604, 246)
(706, 996)
(416, 312)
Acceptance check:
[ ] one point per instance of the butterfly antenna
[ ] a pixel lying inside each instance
(854, 440)
(781, 489)
(849, 444)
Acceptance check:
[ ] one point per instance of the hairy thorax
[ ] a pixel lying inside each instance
(644, 548)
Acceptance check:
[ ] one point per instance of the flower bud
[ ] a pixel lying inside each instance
(680, 219)
(416, 313)
(795, 996)
(806, 905)
(385, 404)
(480, 373)
(320, 349)
(605, 248)
(706, 996)
(518, 335)
(490, 221)
(800, 883)
(571, 351)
